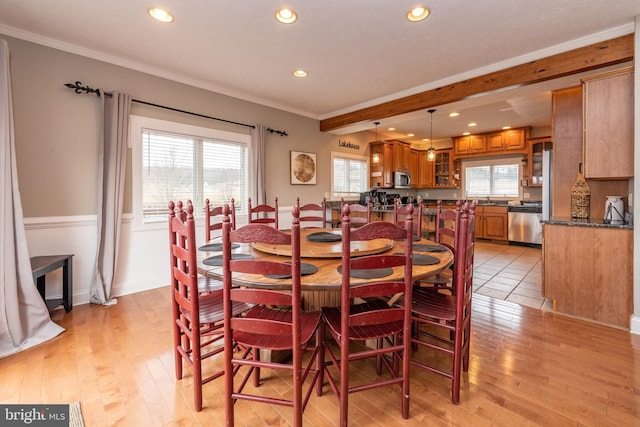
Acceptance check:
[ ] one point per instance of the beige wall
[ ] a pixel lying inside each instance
(56, 130)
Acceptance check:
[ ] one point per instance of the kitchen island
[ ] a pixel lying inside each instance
(588, 269)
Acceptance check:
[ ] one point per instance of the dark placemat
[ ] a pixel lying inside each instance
(374, 273)
(422, 259)
(216, 261)
(324, 236)
(305, 270)
(415, 239)
(429, 248)
(215, 247)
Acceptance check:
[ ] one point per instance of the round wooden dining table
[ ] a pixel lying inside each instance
(321, 279)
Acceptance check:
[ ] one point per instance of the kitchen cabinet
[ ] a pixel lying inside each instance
(401, 155)
(381, 163)
(492, 222)
(443, 169)
(566, 133)
(506, 140)
(594, 281)
(425, 170)
(469, 144)
(414, 159)
(608, 124)
(536, 147)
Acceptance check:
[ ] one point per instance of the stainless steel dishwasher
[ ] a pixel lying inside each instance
(524, 224)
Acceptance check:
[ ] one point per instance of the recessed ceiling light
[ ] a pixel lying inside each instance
(391, 129)
(300, 73)
(286, 16)
(472, 124)
(506, 127)
(454, 114)
(160, 14)
(410, 134)
(418, 14)
(425, 139)
(466, 133)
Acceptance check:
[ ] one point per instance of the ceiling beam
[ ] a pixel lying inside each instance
(598, 55)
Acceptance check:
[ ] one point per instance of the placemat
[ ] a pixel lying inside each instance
(429, 248)
(324, 236)
(305, 270)
(422, 259)
(374, 273)
(415, 239)
(215, 247)
(216, 261)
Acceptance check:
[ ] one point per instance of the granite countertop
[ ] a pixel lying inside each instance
(591, 222)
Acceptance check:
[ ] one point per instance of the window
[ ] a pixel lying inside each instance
(349, 175)
(174, 161)
(492, 178)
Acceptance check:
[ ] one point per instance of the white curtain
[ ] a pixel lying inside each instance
(258, 141)
(24, 318)
(112, 159)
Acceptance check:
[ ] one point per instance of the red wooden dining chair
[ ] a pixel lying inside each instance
(313, 212)
(435, 311)
(214, 213)
(364, 314)
(399, 213)
(263, 214)
(275, 322)
(364, 210)
(196, 303)
(446, 234)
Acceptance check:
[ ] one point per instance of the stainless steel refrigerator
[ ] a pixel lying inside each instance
(547, 182)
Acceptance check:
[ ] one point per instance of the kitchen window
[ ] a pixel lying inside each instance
(498, 178)
(174, 161)
(349, 175)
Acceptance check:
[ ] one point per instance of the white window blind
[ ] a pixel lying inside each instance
(497, 178)
(187, 166)
(349, 175)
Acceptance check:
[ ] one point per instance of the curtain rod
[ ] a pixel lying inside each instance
(78, 88)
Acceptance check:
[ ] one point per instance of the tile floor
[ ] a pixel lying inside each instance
(509, 272)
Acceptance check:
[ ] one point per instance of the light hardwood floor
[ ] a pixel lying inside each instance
(528, 367)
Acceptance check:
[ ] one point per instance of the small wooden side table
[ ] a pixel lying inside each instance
(41, 265)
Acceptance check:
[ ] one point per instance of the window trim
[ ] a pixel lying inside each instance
(136, 125)
(510, 160)
(340, 154)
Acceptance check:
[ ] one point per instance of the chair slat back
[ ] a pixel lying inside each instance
(375, 230)
(363, 209)
(183, 259)
(262, 233)
(263, 213)
(214, 213)
(400, 211)
(447, 223)
(313, 212)
(463, 265)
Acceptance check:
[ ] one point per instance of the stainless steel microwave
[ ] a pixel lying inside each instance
(401, 180)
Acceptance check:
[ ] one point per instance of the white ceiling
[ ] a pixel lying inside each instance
(358, 52)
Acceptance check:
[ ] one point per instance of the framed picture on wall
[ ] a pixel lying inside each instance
(303, 168)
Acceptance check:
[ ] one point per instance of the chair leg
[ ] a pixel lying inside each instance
(320, 358)
(344, 382)
(256, 370)
(457, 365)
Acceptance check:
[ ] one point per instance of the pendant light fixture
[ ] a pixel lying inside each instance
(431, 152)
(376, 154)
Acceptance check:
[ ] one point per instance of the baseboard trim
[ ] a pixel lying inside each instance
(635, 324)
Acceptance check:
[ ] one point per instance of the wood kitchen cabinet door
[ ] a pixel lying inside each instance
(425, 170)
(492, 222)
(608, 125)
